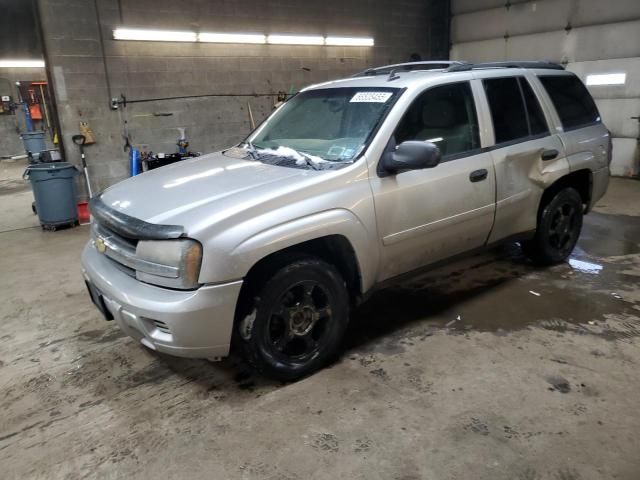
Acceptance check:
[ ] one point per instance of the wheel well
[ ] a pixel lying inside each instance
(581, 180)
(333, 249)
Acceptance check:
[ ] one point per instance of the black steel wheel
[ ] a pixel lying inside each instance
(561, 231)
(298, 320)
(559, 226)
(297, 324)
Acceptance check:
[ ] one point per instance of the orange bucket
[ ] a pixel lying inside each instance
(83, 213)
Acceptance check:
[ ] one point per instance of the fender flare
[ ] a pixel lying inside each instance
(311, 227)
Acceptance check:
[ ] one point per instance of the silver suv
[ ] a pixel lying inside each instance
(269, 244)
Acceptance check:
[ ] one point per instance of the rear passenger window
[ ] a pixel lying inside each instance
(515, 111)
(445, 116)
(507, 108)
(571, 99)
(537, 122)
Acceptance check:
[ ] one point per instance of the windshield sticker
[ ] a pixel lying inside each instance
(371, 97)
(335, 151)
(347, 154)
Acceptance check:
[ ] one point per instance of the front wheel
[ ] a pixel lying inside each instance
(298, 320)
(559, 226)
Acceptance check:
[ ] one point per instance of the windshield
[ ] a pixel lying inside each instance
(321, 126)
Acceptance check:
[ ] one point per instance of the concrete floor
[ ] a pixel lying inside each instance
(491, 369)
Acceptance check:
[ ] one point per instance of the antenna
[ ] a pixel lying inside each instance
(392, 76)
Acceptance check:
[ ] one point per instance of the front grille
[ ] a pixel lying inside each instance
(123, 268)
(163, 327)
(122, 251)
(107, 232)
(126, 248)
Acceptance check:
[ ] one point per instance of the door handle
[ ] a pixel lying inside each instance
(549, 154)
(478, 175)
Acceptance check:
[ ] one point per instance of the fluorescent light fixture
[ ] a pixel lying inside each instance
(349, 41)
(153, 35)
(255, 38)
(606, 79)
(295, 40)
(232, 38)
(21, 63)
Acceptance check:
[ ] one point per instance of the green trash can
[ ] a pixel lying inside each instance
(54, 189)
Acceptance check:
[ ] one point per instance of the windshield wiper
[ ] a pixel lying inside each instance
(253, 152)
(287, 152)
(308, 159)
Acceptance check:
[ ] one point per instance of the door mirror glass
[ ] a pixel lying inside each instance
(412, 155)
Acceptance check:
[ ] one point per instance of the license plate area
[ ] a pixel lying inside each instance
(98, 301)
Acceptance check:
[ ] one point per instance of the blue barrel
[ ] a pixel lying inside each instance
(34, 143)
(54, 189)
(134, 161)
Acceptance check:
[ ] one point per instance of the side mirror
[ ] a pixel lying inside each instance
(412, 155)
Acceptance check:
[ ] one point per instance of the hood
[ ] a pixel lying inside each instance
(177, 193)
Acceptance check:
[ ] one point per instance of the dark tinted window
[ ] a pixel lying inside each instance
(443, 115)
(507, 108)
(537, 122)
(571, 99)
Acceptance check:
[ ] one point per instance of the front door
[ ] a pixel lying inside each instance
(427, 215)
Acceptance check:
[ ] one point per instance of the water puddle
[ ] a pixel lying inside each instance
(501, 291)
(585, 267)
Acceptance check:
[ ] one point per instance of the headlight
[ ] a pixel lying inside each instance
(169, 263)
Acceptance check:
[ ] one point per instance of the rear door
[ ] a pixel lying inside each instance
(528, 156)
(583, 134)
(427, 215)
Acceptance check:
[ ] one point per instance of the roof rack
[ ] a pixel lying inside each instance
(464, 67)
(454, 66)
(409, 66)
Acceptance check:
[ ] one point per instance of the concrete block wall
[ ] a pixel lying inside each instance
(10, 125)
(588, 36)
(84, 79)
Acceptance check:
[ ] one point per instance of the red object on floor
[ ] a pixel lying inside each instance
(83, 213)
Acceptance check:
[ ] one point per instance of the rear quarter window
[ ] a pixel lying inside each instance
(571, 99)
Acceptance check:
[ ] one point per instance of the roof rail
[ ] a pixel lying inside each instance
(463, 67)
(409, 66)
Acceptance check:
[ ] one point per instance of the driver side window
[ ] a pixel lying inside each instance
(445, 116)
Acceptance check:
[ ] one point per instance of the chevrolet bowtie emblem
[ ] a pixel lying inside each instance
(100, 245)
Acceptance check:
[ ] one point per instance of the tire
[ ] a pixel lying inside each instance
(559, 226)
(297, 321)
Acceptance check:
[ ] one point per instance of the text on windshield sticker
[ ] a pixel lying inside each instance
(372, 97)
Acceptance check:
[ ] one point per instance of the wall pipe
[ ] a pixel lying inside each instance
(124, 101)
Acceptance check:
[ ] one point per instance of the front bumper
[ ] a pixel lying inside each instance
(195, 323)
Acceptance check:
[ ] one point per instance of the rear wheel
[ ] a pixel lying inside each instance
(298, 320)
(559, 226)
